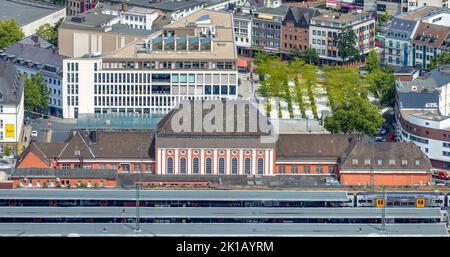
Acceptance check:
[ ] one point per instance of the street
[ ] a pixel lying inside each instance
(60, 128)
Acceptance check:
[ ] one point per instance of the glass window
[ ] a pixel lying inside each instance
(195, 165)
(306, 169)
(260, 166)
(208, 165)
(247, 166)
(221, 166)
(183, 165)
(169, 165)
(183, 78)
(175, 78)
(234, 166)
(191, 78)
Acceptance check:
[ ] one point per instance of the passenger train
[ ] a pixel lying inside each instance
(399, 199)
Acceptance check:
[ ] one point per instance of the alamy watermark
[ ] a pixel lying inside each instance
(240, 116)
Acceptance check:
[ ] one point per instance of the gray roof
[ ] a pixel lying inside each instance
(61, 173)
(24, 11)
(401, 29)
(417, 100)
(227, 195)
(386, 151)
(141, 3)
(126, 30)
(279, 11)
(40, 41)
(173, 6)
(432, 80)
(11, 83)
(35, 54)
(220, 212)
(259, 229)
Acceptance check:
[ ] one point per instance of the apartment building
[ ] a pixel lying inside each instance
(11, 107)
(324, 30)
(422, 112)
(295, 28)
(398, 46)
(395, 7)
(266, 28)
(429, 41)
(194, 57)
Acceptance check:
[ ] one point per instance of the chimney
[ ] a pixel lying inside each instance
(123, 7)
(35, 38)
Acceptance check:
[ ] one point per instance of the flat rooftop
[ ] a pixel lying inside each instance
(419, 13)
(223, 47)
(218, 212)
(216, 195)
(341, 17)
(25, 12)
(256, 229)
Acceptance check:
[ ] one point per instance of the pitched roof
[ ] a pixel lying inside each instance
(386, 151)
(401, 28)
(332, 147)
(105, 145)
(431, 35)
(35, 54)
(197, 112)
(300, 16)
(431, 80)
(11, 83)
(417, 100)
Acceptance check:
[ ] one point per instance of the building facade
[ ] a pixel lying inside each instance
(11, 107)
(325, 28)
(76, 7)
(192, 58)
(266, 28)
(295, 28)
(398, 45)
(32, 60)
(422, 114)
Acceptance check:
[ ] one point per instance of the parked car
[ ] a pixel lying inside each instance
(380, 139)
(34, 133)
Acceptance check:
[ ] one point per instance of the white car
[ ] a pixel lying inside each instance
(34, 133)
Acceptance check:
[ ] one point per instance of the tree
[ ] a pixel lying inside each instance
(31, 95)
(44, 91)
(373, 61)
(10, 32)
(440, 59)
(345, 44)
(351, 109)
(384, 17)
(47, 32)
(308, 55)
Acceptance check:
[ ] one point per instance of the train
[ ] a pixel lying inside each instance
(399, 199)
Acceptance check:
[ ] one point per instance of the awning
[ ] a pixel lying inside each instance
(241, 63)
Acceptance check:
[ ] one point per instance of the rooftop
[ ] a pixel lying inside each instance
(430, 81)
(287, 230)
(34, 54)
(64, 173)
(386, 156)
(335, 17)
(300, 16)
(401, 28)
(173, 6)
(25, 12)
(220, 212)
(329, 147)
(279, 11)
(11, 83)
(431, 35)
(420, 13)
(188, 28)
(213, 195)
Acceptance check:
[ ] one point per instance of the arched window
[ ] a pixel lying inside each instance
(208, 165)
(169, 165)
(234, 166)
(195, 166)
(247, 166)
(260, 166)
(183, 165)
(221, 166)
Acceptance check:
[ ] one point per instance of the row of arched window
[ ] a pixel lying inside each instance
(208, 166)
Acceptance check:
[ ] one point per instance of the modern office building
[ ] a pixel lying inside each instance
(11, 107)
(31, 60)
(192, 58)
(422, 112)
(325, 28)
(106, 28)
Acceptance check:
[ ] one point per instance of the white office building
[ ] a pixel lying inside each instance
(194, 58)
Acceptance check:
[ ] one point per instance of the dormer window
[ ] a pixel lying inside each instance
(391, 162)
(367, 161)
(379, 162)
(1, 96)
(417, 162)
(404, 162)
(355, 161)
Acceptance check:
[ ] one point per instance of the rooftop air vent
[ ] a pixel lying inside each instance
(79, 19)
